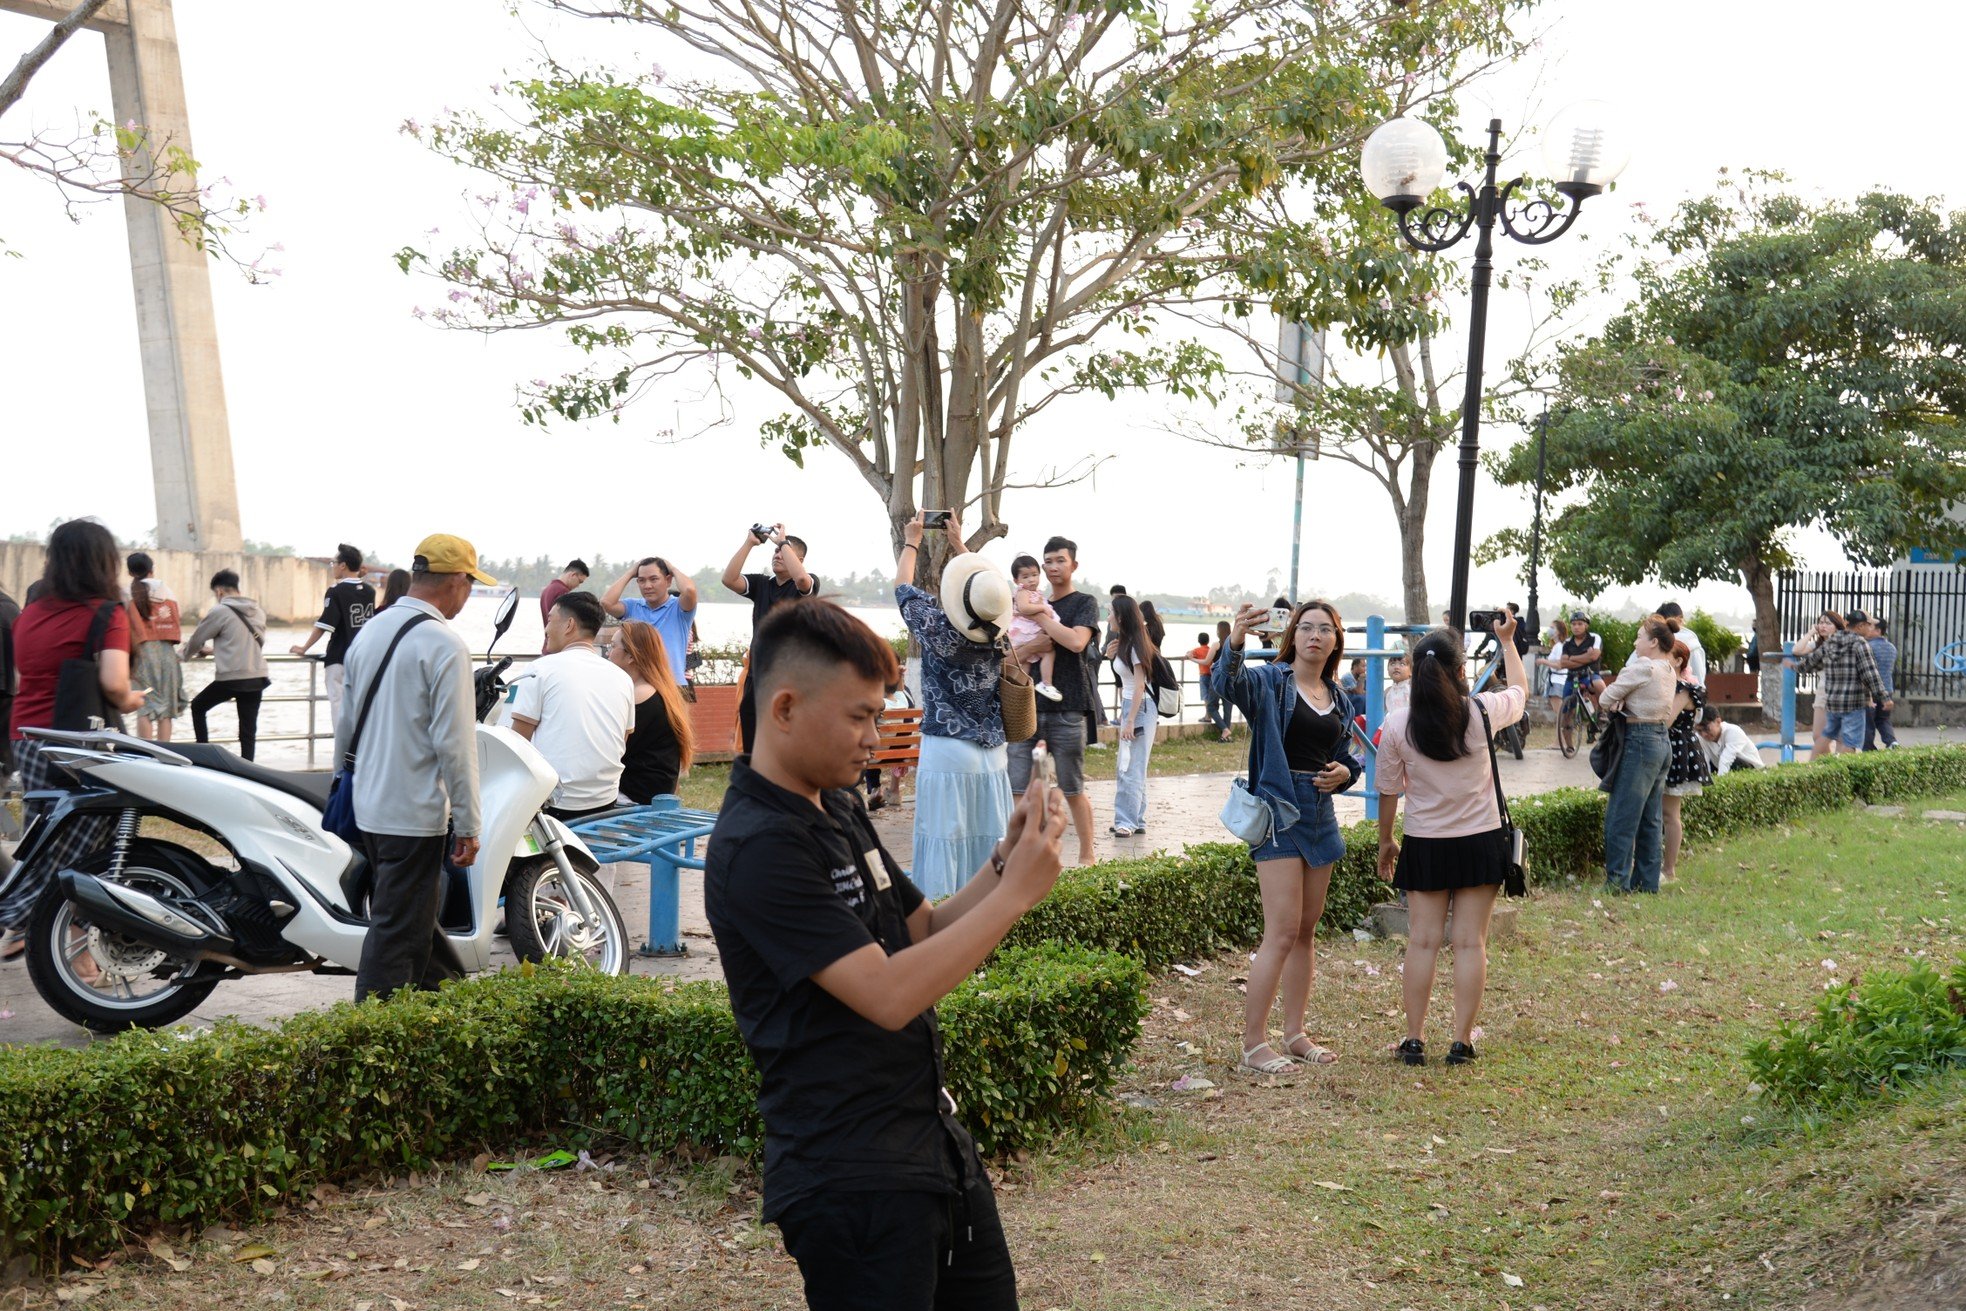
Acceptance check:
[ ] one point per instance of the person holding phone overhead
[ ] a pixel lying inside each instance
(1299, 723)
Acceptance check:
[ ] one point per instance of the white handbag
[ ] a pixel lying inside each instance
(1247, 815)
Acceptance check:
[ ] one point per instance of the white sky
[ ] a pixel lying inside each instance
(352, 421)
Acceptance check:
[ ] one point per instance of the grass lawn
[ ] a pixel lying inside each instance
(1606, 1151)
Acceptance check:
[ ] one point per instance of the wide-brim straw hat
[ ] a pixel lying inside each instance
(976, 597)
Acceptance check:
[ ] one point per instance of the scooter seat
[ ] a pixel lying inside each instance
(311, 788)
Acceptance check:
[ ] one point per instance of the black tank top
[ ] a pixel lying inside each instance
(1311, 739)
(654, 758)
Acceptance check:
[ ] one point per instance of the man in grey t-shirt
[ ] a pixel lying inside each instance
(416, 772)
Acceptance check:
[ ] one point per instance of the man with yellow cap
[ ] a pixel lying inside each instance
(409, 744)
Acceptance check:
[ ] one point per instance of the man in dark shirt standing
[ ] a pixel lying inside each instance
(788, 578)
(571, 578)
(835, 962)
(1063, 726)
(349, 603)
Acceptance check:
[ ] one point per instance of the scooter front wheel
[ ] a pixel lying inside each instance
(544, 920)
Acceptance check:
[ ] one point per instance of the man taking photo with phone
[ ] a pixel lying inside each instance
(787, 581)
(835, 962)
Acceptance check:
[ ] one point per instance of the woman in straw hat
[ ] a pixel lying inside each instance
(962, 785)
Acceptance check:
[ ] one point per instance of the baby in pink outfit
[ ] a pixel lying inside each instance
(1022, 628)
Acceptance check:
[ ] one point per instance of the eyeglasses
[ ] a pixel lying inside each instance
(1318, 630)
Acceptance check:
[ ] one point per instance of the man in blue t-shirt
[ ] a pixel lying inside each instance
(670, 615)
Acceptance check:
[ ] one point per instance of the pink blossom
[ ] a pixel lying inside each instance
(457, 296)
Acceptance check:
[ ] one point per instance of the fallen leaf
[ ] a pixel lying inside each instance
(477, 1199)
(262, 1267)
(253, 1252)
(1336, 1188)
(472, 1264)
(1513, 1281)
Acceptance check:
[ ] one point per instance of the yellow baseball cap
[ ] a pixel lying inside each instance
(441, 553)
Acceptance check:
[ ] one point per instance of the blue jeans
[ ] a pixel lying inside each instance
(1847, 727)
(1634, 816)
(1216, 708)
(1130, 799)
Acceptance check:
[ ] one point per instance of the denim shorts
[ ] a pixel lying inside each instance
(1846, 726)
(1314, 838)
(1063, 734)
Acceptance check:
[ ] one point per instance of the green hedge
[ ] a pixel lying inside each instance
(1563, 831)
(153, 1129)
(1866, 1038)
(1162, 909)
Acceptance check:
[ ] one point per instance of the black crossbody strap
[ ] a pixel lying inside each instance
(1494, 772)
(99, 629)
(375, 684)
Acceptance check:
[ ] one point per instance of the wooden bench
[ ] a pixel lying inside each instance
(901, 738)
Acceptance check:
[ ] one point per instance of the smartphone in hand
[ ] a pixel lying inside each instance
(935, 519)
(1043, 768)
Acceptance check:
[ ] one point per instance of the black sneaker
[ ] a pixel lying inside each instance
(1460, 1053)
(1413, 1052)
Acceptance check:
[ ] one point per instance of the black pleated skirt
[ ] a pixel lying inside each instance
(1444, 864)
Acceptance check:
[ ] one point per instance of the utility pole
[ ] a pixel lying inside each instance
(1300, 371)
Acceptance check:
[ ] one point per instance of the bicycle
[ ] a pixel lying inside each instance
(1575, 712)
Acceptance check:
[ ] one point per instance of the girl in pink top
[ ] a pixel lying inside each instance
(1456, 853)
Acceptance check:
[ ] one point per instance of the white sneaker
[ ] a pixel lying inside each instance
(1049, 693)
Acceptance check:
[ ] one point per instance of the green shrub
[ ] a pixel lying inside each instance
(1878, 776)
(1719, 642)
(1759, 798)
(1619, 636)
(1865, 1038)
(1162, 909)
(190, 1128)
(1562, 833)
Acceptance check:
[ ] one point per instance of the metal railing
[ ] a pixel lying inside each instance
(319, 734)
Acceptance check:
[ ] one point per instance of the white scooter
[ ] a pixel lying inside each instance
(139, 933)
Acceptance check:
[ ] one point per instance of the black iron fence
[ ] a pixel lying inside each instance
(1923, 606)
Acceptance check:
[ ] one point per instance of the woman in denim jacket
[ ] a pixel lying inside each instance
(1299, 729)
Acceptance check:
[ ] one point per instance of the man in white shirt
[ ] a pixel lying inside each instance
(1696, 661)
(578, 708)
(1727, 745)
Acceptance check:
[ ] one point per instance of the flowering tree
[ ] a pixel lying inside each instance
(107, 160)
(921, 225)
(1785, 363)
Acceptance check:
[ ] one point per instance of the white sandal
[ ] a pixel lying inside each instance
(1275, 1065)
(1315, 1056)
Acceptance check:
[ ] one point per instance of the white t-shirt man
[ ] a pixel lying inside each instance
(1734, 750)
(584, 706)
(1696, 655)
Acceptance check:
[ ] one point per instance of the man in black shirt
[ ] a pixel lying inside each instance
(349, 603)
(835, 962)
(788, 579)
(1063, 725)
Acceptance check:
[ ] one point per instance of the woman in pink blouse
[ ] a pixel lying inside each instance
(1456, 852)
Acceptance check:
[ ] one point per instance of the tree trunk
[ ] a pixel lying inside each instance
(1760, 580)
(1413, 535)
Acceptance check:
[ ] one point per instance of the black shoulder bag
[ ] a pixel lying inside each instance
(79, 697)
(1514, 883)
(338, 816)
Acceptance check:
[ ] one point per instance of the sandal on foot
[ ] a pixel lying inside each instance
(1460, 1053)
(1413, 1052)
(1275, 1065)
(1312, 1053)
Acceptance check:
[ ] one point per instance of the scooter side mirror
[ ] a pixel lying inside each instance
(506, 609)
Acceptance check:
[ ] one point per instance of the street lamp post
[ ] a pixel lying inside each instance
(1536, 526)
(1405, 161)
